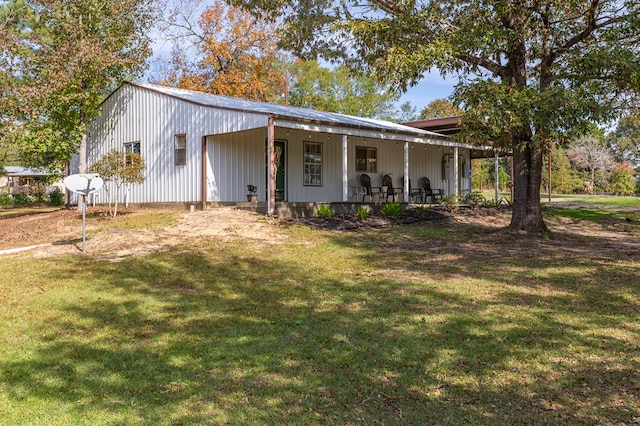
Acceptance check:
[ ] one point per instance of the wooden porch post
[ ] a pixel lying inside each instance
(345, 169)
(203, 181)
(271, 173)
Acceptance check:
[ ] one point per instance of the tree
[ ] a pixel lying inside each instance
(339, 90)
(222, 50)
(622, 179)
(120, 168)
(439, 108)
(530, 72)
(564, 178)
(14, 20)
(481, 173)
(72, 54)
(590, 153)
(625, 140)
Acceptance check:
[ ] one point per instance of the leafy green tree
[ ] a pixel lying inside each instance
(71, 54)
(339, 90)
(15, 20)
(121, 168)
(564, 178)
(531, 72)
(622, 179)
(625, 140)
(439, 108)
(481, 173)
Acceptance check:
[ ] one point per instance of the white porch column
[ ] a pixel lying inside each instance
(271, 175)
(345, 169)
(456, 185)
(406, 172)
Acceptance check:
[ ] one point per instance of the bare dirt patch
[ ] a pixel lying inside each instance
(60, 232)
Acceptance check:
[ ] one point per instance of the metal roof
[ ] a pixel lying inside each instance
(286, 112)
(25, 171)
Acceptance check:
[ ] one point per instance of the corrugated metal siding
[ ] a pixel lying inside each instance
(236, 151)
(135, 114)
(234, 161)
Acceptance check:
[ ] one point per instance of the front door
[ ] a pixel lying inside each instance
(280, 156)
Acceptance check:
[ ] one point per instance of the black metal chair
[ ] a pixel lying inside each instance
(391, 191)
(415, 194)
(434, 194)
(370, 191)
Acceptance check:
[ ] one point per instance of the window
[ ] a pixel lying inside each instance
(312, 164)
(132, 147)
(180, 149)
(366, 159)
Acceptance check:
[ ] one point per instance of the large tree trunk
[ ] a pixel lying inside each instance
(527, 176)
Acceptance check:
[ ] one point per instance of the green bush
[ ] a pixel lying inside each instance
(56, 197)
(474, 199)
(22, 200)
(392, 209)
(363, 213)
(325, 211)
(38, 194)
(451, 202)
(5, 199)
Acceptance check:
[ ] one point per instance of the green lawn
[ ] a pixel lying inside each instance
(433, 324)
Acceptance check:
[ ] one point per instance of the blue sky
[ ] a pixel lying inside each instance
(431, 87)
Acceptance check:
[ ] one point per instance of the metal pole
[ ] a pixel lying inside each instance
(84, 227)
(497, 181)
(549, 171)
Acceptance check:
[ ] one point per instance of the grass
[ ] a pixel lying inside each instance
(430, 324)
(24, 211)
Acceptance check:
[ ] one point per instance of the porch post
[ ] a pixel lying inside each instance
(456, 186)
(345, 169)
(497, 173)
(271, 175)
(406, 172)
(203, 181)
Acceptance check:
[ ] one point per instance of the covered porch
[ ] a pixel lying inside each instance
(314, 162)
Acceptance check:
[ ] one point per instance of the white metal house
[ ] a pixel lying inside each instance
(202, 149)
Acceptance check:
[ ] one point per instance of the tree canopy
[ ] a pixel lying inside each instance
(222, 50)
(64, 57)
(339, 90)
(531, 73)
(439, 108)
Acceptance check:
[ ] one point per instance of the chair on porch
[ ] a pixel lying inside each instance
(391, 191)
(434, 194)
(358, 192)
(415, 194)
(371, 192)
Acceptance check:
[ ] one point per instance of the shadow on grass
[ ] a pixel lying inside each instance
(414, 326)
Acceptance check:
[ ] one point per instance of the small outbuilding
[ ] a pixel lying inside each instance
(202, 149)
